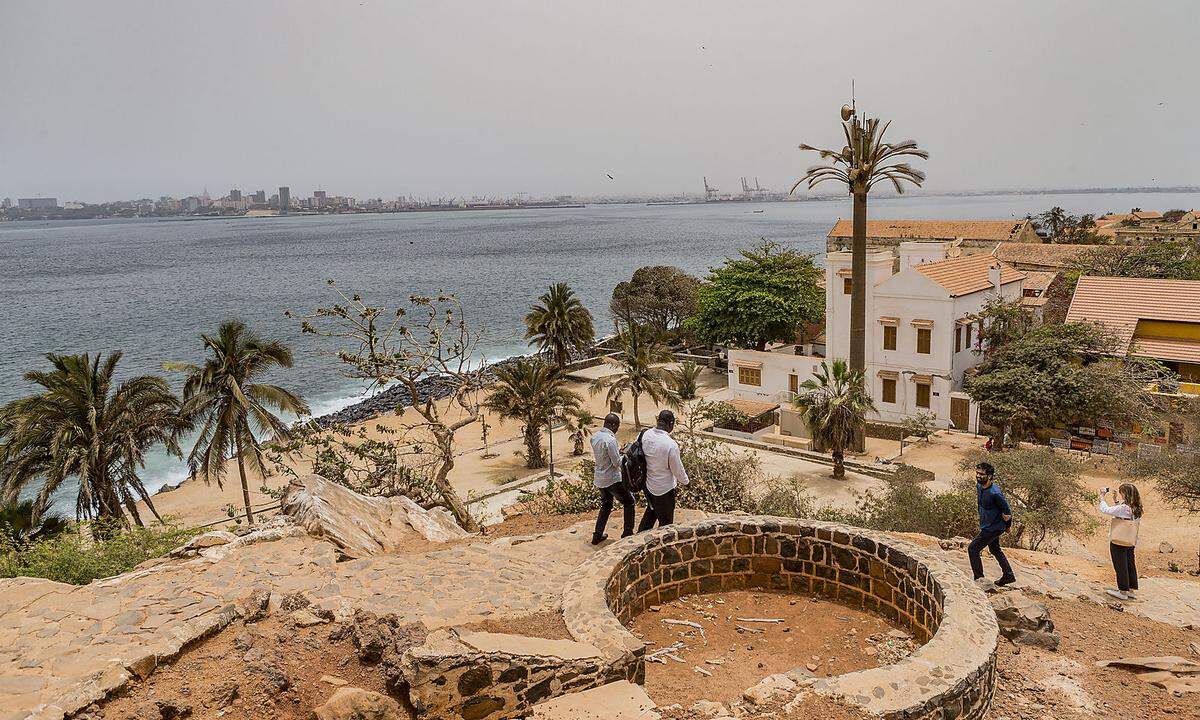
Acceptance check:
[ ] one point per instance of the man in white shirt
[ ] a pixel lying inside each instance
(607, 476)
(664, 472)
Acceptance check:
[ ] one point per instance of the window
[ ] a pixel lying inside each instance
(793, 383)
(889, 390)
(924, 338)
(749, 376)
(923, 395)
(957, 338)
(889, 337)
(847, 286)
(968, 346)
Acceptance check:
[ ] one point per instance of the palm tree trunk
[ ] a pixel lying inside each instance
(533, 447)
(637, 418)
(839, 465)
(858, 285)
(245, 487)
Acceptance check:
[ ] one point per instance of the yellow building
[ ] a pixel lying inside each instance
(1153, 318)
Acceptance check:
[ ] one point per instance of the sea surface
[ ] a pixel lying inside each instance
(148, 287)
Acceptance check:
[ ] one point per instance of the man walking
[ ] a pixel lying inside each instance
(608, 478)
(995, 516)
(664, 472)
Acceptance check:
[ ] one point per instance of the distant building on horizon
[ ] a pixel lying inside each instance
(259, 197)
(973, 236)
(37, 203)
(235, 195)
(285, 199)
(6, 203)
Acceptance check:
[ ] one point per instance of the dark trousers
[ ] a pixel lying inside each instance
(660, 509)
(991, 541)
(1122, 558)
(628, 506)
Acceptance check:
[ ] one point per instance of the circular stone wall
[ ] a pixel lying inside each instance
(951, 676)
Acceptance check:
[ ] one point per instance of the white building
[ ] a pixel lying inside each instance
(922, 333)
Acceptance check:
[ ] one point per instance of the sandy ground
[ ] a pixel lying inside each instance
(815, 635)
(474, 475)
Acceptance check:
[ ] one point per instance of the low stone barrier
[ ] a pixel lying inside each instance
(951, 676)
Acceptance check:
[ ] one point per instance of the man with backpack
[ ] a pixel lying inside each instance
(664, 471)
(608, 478)
(995, 517)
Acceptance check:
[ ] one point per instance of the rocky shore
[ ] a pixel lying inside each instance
(435, 386)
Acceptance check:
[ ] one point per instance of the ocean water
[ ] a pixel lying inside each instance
(149, 287)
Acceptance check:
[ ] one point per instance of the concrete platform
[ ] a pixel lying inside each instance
(616, 701)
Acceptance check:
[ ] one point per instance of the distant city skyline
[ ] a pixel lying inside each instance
(134, 99)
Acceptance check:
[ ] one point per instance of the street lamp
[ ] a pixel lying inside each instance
(555, 411)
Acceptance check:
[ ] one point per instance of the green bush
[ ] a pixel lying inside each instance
(79, 558)
(907, 505)
(564, 495)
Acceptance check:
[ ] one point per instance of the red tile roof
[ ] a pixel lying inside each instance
(1118, 304)
(998, 230)
(967, 274)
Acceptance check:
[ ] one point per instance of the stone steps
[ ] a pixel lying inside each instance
(620, 700)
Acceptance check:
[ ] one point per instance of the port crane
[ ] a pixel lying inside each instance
(709, 191)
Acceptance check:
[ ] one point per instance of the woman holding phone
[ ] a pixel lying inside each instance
(1126, 514)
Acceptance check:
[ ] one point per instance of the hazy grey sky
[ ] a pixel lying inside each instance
(112, 99)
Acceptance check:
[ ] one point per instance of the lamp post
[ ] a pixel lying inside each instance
(557, 410)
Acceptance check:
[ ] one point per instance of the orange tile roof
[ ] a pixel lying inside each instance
(1118, 304)
(998, 230)
(752, 408)
(1038, 280)
(1177, 349)
(1149, 215)
(1056, 255)
(967, 274)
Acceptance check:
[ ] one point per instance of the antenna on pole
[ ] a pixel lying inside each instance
(852, 105)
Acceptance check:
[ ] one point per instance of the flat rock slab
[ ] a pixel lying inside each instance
(522, 645)
(616, 701)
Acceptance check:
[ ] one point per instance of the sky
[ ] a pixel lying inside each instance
(127, 99)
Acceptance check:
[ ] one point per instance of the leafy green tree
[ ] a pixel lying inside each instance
(83, 428)
(1056, 374)
(835, 402)
(638, 358)
(1003, 322)
(685, 379)
(764, 295)
(659, 296)
(559, 325)
(531, 391)
(223, 398)
(863, 162)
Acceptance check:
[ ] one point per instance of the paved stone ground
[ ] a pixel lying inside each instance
(63, 647)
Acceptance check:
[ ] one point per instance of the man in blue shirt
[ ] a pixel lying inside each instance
(994, 518)
(608, 478)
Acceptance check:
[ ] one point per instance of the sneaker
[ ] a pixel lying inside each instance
(1131, 594)
(1006, 580)
(596, 540)
(1118, 594)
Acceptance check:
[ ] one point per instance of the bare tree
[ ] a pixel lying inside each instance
(428, 349)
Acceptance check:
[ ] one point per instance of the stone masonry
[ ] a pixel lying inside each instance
(951, 676)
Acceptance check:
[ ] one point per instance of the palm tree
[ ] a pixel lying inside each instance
(20, 523)
(559, 325)
(835, 404)
(79, 428)
(864, 161)
(686, 379)
(579, 429)
(638, 359)
(531, 391)
(224, 400)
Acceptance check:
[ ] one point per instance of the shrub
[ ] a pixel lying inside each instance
(78, 558)
(791, 497)
(564, 495)
(1043, 487)
(906, 505)
(720, 478)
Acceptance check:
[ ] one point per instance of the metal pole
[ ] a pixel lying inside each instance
(550, 432)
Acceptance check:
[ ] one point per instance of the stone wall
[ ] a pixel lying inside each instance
(952, 675)
(462, 675)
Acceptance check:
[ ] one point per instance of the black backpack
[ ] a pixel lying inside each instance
(633, 465)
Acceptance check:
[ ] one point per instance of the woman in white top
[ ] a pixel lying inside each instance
(1122, 538)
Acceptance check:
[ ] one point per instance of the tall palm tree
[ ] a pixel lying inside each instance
(864, 161)
(579, 429)
(686, 379)
(79, 428)
(835, 404)
(223, 399)
(531, 390)
(639, 357)
(559, 325)
(21, 523)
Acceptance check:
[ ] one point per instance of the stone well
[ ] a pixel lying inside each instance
(952, 675)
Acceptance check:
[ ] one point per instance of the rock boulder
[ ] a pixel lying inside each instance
(1024, 620)
(350, 703)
